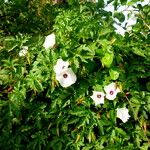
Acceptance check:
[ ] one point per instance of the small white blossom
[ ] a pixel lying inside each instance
(23, 51)
(98, 97)
(111, 91)
(61, 66)
(66, 78)
(49, 41)
(123, 114)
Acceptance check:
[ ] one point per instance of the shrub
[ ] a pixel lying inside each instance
(37, 112)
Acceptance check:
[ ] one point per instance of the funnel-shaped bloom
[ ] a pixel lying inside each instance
(123, 114)
(98, 97)
(66, 78)
(111, 91)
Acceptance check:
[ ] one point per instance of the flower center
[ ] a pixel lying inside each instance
(99, 96)
(111, 92)
(65, 75)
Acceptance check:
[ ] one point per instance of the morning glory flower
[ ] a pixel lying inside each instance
(111, 91)
(66, 78)
(61, 66)
(23, 51)
(98, 97)
(123, 114)
(49, 41)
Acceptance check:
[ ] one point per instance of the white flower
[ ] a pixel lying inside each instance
(123, 114)
(111, 91)
(98, 97)
(23, 51)
(119, 29)
(131, 21)
(49, 41)
(66, 78)
(61, 66)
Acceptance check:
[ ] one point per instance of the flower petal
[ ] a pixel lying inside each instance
(123, 114)
(61, 66)
(49, 41)
(111, 97)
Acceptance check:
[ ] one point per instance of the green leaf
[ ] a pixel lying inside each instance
(145, 146)
(148, 86)
(138, 52)
(113, 116)
(107, 59)
(114, 74)
(120, 131)
(135, 100)
(38, 85)
(123, 2)
(136, 111)
(101, 129)
(101, 3)
(98, 87)
(115, 4)
(120, 16)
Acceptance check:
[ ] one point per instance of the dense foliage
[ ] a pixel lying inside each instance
(36, 112)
